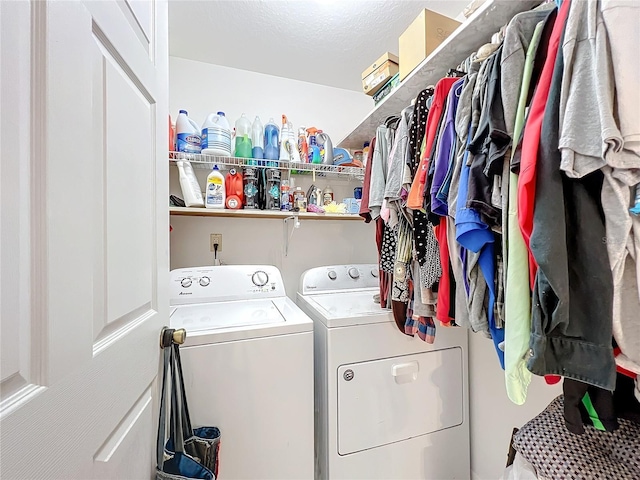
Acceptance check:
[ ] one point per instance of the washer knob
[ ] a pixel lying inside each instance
(374, 273)
(260, 278)
(186, 282)
(332, 275)
(354, 273)
(204, 281)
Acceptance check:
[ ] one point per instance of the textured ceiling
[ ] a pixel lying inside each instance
(329, 42)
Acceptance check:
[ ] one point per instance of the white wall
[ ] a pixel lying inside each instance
(202, 88)
(493, 416)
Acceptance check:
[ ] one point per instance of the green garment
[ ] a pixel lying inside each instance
(517, 292)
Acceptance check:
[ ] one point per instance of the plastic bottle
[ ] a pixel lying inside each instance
(234, 190)
(285, 205)
(215, 194)
(299, 200)
(365, 153)
(273, 189)
(327, 196)
(257, 139)
(303, 147)
(250, 190)
(271, 140)
(284, 138)
(243, 137)
(189, 185)
(216, 135)
(172, 136)
(314, 150)
(187, 134)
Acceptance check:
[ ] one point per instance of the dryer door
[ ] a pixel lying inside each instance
(390, 400)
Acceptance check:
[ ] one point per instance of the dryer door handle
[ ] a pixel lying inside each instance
(405, 372)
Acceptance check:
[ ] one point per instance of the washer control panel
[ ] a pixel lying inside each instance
(339, 277)
(225, 282)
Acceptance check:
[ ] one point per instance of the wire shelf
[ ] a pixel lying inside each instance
(199, 160)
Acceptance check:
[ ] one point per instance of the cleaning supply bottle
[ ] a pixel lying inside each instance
(172, 136)
(365, 153)
(216, 135)
(299, 200)
(303, 147)
(327, 196)
(273, 189)
(314, 150)
(234, 190)
(284, 138)
(243, 137)
(187, 134)
(285, 205)
(271, 140)
(257, 138)
(250, 189)
(189, 185)
(326, 151)
(215, 193)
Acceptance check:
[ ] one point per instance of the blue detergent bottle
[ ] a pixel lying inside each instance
(271, 141)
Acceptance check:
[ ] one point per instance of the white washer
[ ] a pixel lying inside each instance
(248, 363)
(388, 406)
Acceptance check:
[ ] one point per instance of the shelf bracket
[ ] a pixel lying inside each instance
(287, 236)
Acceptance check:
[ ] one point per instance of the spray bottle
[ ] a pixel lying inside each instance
(303, 147)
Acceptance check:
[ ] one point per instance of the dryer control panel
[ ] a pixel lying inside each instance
(339, 277)
(224, 283)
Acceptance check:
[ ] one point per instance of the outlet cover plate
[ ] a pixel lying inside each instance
(215, 238)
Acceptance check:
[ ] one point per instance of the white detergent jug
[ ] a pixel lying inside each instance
(187, 134)
(216, 135)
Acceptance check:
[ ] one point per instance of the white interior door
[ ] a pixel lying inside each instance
(83, 235)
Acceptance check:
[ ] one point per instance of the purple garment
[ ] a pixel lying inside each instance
(446, 148)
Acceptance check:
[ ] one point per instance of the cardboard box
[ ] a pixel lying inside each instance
(375, 76)
(422, 37)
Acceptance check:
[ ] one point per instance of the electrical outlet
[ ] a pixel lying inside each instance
(216, 238)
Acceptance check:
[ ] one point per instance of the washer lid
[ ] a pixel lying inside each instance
(212, 316)
(350, 308)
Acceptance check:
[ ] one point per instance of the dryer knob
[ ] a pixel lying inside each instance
(374, 273)
(260, 278)
(332, 275)
(354, 273)
(186, 282)
(205, 281)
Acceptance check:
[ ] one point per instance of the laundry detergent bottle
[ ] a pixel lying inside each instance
(257, 139)
(187, 134)
(216, 135)
(235, 190)
(215, 194)
(243, 137)
(271, 140)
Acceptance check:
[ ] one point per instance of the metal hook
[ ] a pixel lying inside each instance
(169, 336)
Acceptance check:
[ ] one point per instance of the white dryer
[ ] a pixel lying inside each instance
(388, 406)
(248, 364)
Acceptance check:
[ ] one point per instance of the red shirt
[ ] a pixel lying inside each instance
(531, 139)
(416, 194)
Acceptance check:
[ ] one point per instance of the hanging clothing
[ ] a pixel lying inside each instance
(416, 195)
(527, 179)
(518, 295)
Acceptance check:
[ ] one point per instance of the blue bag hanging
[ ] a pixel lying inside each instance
(202, 443)
(176, 465)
